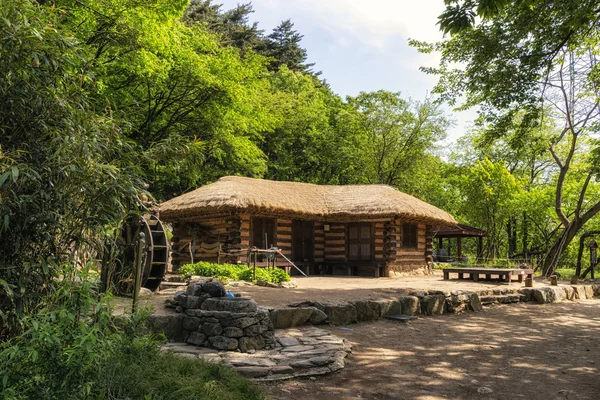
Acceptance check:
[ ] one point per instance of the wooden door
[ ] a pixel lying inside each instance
(263, 232)
(360, 241)
(303, 241)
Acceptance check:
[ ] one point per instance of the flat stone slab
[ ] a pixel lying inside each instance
(325, 354)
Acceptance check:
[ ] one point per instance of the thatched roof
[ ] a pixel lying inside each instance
(233, 194)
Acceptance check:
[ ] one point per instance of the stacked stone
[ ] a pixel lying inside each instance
(223, 323)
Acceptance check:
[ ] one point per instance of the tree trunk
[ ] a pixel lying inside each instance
(512, 236)
(560, 244)
(525, 233)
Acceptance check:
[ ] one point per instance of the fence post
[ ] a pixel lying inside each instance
(137, 283)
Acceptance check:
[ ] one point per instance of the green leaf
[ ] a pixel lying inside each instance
(15, 174)
(4, 177)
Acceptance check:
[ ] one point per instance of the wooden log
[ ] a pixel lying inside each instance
(332, 235)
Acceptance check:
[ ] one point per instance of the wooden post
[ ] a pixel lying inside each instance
(254, 273)
(440, 243)
(479, 248)
(104, 276)
(137, 283)
(459, 248)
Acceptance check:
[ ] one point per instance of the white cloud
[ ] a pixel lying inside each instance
(374, 21)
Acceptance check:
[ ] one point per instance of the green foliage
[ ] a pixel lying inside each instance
(234, 272)
(204, 268)
(395, 136)
(75, 348)
(65, 171)
(530, 67)
(283, 44)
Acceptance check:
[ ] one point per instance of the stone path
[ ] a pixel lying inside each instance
(301, 352)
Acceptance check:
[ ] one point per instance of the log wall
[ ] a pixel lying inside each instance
(335, 242)
(203, 237)
(198, 240)
(319, 243)
(283, 236)
(379, 238)
(403, 260)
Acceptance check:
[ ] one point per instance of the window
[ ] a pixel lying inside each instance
(409, 235)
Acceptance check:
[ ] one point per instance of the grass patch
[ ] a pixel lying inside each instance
(74, 348)
(165, 376)
(237, 272)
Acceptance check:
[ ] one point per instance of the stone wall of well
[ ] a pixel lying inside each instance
(209, 319)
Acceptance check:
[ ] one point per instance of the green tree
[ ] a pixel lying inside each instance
(66, 171)
(396, 134)
(489, 192)
(232, 26)
(283, 44)
(519, 58)
(173, 85)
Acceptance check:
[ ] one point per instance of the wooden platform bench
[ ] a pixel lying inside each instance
(501, 273)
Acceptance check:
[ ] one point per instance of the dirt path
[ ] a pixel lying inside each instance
(523, 351)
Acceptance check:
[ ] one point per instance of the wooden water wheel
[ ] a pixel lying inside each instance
(119, 272)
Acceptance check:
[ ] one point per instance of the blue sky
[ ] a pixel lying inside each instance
(362, 45)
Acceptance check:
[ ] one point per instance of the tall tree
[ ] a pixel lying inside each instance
(396, 134)
(283, 44)
(173, 84)
(520, 57)
(233, 26)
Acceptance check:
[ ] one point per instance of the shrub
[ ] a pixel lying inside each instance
(74, 348)
(238, 272)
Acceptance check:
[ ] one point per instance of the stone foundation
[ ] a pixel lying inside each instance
(422, 302)
(395, 271)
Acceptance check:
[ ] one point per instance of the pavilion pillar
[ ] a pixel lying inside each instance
(479, 248)
(459, 248)
(440, 243)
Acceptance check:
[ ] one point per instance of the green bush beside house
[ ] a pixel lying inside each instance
(236, 272)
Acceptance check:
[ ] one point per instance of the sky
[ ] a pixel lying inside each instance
(362, 45)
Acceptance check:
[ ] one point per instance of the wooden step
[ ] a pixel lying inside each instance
(173, 278)
(172, 285)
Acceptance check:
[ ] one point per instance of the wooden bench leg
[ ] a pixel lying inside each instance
(460, 275)
(508, 278)
(488, 277)
(520, 278)
(446, 275)
(475, 277)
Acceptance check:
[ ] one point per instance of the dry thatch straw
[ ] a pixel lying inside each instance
(232, 194)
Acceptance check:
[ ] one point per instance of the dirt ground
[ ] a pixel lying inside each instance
(345, 288)
(520, 351)
(523, 351)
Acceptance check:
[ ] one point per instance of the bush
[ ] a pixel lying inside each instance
(74, 348)
(236, 272)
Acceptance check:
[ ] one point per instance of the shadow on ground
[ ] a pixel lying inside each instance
(524, 351)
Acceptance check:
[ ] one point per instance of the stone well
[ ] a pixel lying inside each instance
(223, 323)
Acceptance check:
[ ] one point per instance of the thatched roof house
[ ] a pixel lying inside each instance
(312, 224)
(233, 194)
